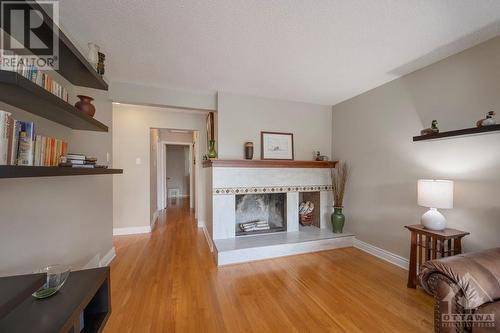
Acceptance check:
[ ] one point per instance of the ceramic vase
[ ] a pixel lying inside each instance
(85, 105)
(248, 150)
(338, 220)
(212, 153)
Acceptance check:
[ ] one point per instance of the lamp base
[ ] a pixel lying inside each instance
(433, 220)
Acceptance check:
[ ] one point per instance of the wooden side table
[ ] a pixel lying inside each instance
(429, 244)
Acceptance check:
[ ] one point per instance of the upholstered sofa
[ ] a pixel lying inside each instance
(466, 289)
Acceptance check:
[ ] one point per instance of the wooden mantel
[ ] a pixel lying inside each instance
(267, 164)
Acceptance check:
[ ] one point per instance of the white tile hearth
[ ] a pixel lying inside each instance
(307, 239)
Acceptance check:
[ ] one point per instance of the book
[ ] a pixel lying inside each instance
(26, 138)
(16, 129)
(4, 136)
(38, 146)
(73, 156)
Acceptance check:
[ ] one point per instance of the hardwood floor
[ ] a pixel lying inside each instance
(167, 281)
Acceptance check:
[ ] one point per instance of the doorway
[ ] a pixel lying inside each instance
(176, 165)
(177, 172)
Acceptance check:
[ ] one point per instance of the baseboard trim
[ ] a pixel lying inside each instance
(108, 257)
(207, 236)
(382, 254)
(131, 230)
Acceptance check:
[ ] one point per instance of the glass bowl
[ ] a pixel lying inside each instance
(56, 276)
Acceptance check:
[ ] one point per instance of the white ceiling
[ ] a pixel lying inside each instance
(319, 51)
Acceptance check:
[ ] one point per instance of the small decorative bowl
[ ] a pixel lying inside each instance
(56, 276)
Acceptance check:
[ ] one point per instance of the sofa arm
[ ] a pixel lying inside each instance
(475, 275)
(447, 296)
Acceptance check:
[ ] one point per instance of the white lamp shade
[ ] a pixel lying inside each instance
(435, 193)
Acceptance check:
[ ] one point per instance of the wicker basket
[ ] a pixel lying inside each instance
(306, 219)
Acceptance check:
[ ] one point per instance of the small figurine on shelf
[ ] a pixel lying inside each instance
(488, 121)
(320, 157)
(100, 63)
(433, 129)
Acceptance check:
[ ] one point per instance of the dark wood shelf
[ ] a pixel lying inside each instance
(72, 64)
(15, 171)
(20, 92)
(267, 164)
(460, 132)
(86, 291)
(15, 289)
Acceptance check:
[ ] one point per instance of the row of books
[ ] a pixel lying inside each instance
(16, 139)
(32, 73)
(48, 151)
(20, 146)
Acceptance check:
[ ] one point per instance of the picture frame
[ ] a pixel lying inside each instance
(276, 146)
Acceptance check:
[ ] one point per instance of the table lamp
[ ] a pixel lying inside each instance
(435, 194)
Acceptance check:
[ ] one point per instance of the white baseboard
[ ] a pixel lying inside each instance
(131, 230)
(382, 254)
(207, 236)
(108, 258)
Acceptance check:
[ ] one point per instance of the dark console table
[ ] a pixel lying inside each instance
(85, 292)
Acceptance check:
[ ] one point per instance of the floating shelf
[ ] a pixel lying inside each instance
(461, 132)
(268, 164)
(72, 64)
(86, 292)
(20, 92)
(15, 289)
(15, 171)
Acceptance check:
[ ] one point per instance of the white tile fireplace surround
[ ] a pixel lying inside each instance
(228, 181)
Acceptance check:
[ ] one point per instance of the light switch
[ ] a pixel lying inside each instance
(138, 160)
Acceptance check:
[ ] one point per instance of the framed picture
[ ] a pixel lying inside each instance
(276, 146)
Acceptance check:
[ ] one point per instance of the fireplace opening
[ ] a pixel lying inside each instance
(260, 213)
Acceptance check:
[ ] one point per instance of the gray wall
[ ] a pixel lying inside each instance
(131, 144)
(241, 118)
(373, 132)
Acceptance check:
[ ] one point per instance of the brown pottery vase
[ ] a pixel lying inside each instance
(85, 105)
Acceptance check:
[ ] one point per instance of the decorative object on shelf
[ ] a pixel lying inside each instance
(100, 63)
(276, 146)
(85, 105)
(318, 157)
(339, 176)
(488, 121)
(212, 152)
(435, 194)
(56, 276)
(306, 209)
(93, 54)
(433, 129)
(248, 150)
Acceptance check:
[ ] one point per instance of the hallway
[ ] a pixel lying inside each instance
(167, 281)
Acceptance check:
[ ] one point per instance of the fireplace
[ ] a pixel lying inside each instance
(260, 213)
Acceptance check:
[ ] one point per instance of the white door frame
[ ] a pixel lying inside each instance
(162, 172)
